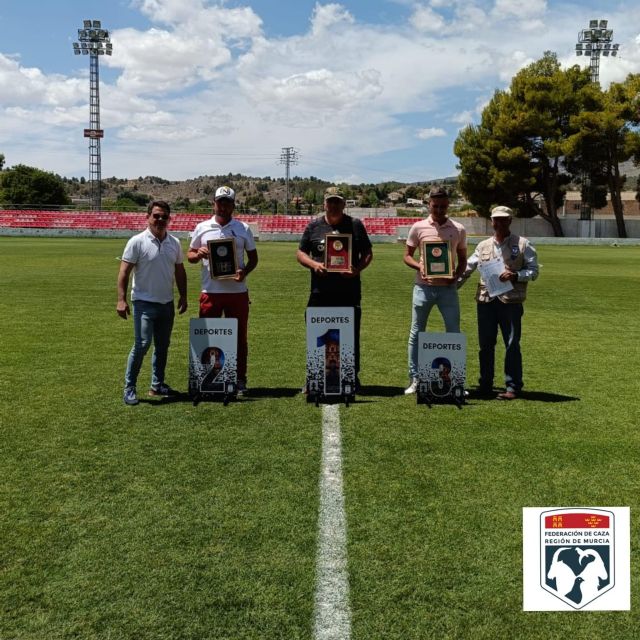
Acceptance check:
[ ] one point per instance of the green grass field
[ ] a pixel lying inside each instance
(169, 521)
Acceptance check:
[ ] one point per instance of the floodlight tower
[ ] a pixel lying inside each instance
(592, 42)
(94, 41)
(288, 156)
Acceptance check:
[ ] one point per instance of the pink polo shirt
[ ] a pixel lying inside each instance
(452, 232)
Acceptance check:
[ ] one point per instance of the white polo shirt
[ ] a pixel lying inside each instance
(211, 230)
(155, 266)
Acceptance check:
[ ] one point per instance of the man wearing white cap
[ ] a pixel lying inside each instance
(505, 310)
(228, 297)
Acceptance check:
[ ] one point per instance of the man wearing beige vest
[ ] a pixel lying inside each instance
(503, 311)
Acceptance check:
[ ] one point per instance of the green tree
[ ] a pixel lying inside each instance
(411, 192)
(181, 204)
(125, 204)
(139, 198)
(606, 136)
(310, 196)
(30, 186)
(516, 155)
(1, 161)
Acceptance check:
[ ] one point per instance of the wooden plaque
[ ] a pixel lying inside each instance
(337, 252)
(223, 262)
(437, 258)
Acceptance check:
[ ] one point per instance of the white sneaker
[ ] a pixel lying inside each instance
(412, 387)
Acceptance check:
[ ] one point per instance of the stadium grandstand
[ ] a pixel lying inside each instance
(134, 221)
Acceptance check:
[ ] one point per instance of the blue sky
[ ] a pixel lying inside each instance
(366, 91)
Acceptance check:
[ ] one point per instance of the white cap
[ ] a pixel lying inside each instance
(225, 192)
(501, 212)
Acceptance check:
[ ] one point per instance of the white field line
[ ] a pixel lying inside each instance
(332, 612)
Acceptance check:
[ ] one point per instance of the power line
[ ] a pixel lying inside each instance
(288, 156)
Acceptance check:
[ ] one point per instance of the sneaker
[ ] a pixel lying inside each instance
(509, 394)
(412, 388)
(130, 396)
(242, 387)
(162, 390)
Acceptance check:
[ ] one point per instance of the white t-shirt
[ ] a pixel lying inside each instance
(155, 266)
(211, 230)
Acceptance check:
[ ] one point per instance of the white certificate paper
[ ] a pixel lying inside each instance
(490, 271)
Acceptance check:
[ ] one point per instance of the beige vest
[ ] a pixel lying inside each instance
(513, 260)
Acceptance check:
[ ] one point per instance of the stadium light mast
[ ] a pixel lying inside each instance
(596, 41)
(94, 41)
(288, 156)
(593, 42)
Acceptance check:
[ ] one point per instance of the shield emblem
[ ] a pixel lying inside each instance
(577, 554)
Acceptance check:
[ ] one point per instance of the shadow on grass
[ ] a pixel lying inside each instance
(165, 400)
(273, 392)
(381, 391)
(545, 396)
(534, 396)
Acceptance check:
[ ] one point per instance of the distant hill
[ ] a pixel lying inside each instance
(252, 193)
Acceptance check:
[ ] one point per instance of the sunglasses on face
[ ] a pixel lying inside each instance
(160, 216)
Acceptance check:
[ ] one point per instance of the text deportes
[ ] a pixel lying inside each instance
(331, 320)
(213, 332)
(441, 346)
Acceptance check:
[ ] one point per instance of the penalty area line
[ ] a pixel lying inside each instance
(332, 611)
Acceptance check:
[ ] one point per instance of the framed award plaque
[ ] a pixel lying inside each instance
(223, 262)
(437, 259)
(337, 252)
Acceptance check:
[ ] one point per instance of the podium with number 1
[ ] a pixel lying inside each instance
(331, 373)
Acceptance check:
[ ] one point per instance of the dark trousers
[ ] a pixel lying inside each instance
(492, 315)
(331, 300)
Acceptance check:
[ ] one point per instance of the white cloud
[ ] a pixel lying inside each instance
(169, 11)
(519, 8)
(424, 18)
(328, 16)
(431, 132)
(206, 90)
(313, 98)
(159, 61)
(29, 86)
(464, 117)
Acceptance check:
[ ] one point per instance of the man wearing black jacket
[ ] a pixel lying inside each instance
(330, 289)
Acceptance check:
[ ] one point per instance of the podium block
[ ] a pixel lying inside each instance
(330, 353)
(213, 357)
(442, 367)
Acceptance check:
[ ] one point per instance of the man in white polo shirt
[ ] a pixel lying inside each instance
(432, 291)
(228, 297)
(156, 259)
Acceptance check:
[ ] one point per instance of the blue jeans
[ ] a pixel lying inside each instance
(151, 321)
(424, 299)
(508, 317)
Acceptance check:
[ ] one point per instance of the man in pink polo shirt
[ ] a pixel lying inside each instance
(431, 291)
